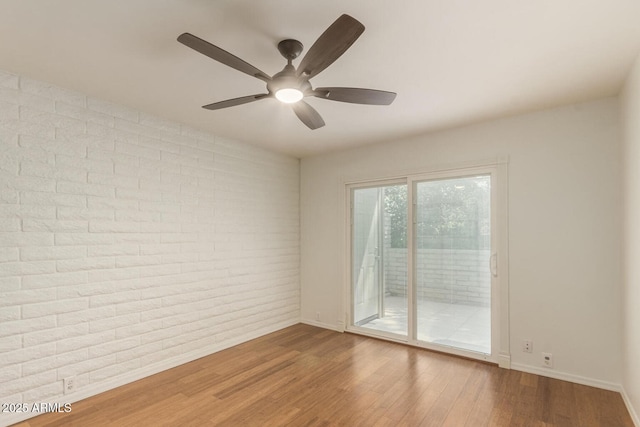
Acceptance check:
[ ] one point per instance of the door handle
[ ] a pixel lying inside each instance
(493, 264)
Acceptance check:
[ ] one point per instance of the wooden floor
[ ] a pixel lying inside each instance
(306, 376)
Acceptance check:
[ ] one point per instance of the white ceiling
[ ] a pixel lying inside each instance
(451, 62)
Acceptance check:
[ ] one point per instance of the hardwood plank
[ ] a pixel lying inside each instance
(307, 376)
(463, 406)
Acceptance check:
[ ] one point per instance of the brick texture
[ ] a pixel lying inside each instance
(127, 240)
(443, 275)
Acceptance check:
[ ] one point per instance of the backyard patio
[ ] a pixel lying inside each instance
(456, 325)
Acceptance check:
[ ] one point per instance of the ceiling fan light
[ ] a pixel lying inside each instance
(289, 95)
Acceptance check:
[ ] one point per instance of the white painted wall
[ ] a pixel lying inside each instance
(630, 100)
(565, 211)
(130, 244)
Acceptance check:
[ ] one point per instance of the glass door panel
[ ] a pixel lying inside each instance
(452, 248)
(379, 258)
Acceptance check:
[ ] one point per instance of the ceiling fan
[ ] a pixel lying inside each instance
(292, 84)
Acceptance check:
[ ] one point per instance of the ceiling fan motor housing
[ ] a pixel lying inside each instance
(287, 79)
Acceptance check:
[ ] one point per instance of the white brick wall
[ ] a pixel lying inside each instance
(445, 275)
(127, 241)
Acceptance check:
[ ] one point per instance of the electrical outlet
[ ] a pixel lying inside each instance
(547, 360)
(69, 385)
(318, 316)
(527, 346)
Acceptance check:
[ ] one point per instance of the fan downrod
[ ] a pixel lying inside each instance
(290, 48)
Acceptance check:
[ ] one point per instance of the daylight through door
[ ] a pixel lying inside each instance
(379, 271)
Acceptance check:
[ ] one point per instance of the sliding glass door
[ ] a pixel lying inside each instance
(421, 252)
(379, 269)
(452, 253)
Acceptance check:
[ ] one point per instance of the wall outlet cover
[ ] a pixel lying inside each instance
(69, 385)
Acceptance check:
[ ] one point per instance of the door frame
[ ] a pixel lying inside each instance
(498, 169)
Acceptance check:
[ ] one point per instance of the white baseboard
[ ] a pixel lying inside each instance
(606, 385)
(144, 372)
(630, 408)
(322, 325)
(504, 360)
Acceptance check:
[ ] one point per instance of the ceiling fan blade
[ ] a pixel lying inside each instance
(355, 95)
(330, 45)
(221, 55)
(308, 115)
(235, 101)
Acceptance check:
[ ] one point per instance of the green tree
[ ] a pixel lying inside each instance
(453, 213)
(395, 205)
